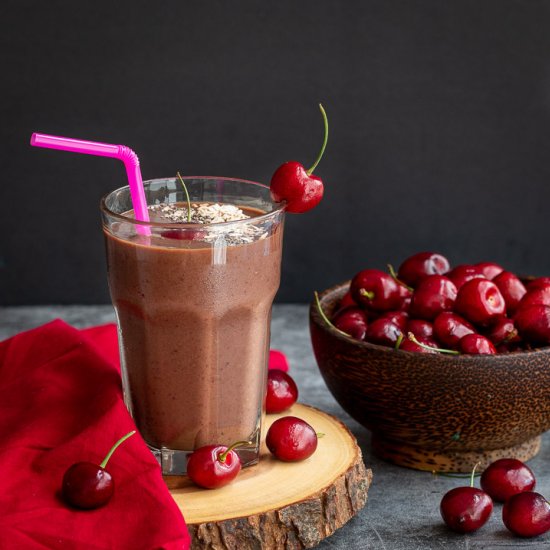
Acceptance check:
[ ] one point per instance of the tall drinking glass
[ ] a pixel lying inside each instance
(193, 307)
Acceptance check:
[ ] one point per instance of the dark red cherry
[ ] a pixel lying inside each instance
(86, 485)
(301, 190)
(406, 295)
(463, 273)
(399, 318)
(527, 514)
(466, 509)
(533, 324)
(503, 331)
(450, 327)
(353, 321)
(184, 234)
(292, 183)
(480, 301)
(476, 344)
(420, 328)
(282, 391)
(507, 477)
(375, 290)
(383, 332)
(420, 265)
(434, 294)
(409, 345)
(291, 439)
(347, 301)
(511, 288)
(539, 282)
(489, 269)
(536, 296)
(214, 466)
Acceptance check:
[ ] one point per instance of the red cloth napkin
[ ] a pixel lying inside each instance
(60, 403)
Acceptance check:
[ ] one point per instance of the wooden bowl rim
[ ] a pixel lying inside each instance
(327, 296)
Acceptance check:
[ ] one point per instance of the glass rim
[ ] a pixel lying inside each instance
(280, 206)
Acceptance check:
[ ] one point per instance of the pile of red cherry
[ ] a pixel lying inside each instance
(289, 438)
(525, 513)
(428, 307)
(87, 485)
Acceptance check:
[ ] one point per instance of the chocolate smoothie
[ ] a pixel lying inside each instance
(194, 316)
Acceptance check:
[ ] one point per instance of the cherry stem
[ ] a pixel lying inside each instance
(222, 457)
(325, 318)
(450, 474)
(367, 293)
(473, 474)
(399, 340)
(412, 338)
(115, 447)
(394, 276)
(325, 122)
(187, 198)
(319, 434)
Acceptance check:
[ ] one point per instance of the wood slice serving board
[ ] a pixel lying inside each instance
(280, 505)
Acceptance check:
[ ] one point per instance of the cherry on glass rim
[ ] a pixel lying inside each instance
(292, 183)
(214, 466)
(87, 485)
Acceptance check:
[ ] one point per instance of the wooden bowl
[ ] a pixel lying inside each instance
(432, 411)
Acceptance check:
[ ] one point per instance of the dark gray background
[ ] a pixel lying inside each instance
(439, 112)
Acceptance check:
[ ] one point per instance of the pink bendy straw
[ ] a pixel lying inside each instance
(120, 152)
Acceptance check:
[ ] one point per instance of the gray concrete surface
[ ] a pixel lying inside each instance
(403, 508)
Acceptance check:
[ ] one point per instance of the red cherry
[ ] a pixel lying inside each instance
(375, 290)
(282, 391)
(463, 273)
(527, 514)
(511, 288)
(291, 439)
(536, 296)
(466, 509)
(406, 295)
(489, 269)
(409, 345)
(347, 301)
(352, 321)
(449, 328)
(183, 234)
(476, 344)
(86, 485)
(503, 331)
(434, 294)
(214, 466)
(292, 183)
(507, 477)
(420, 328)
(399, 318)
(420, 265)
(480, 301)
(383, 332)
(533, 323)
(539, 282)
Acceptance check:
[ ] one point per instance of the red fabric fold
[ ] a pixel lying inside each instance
(60, 403)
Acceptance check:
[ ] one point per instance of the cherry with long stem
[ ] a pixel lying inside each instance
(324, 316)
